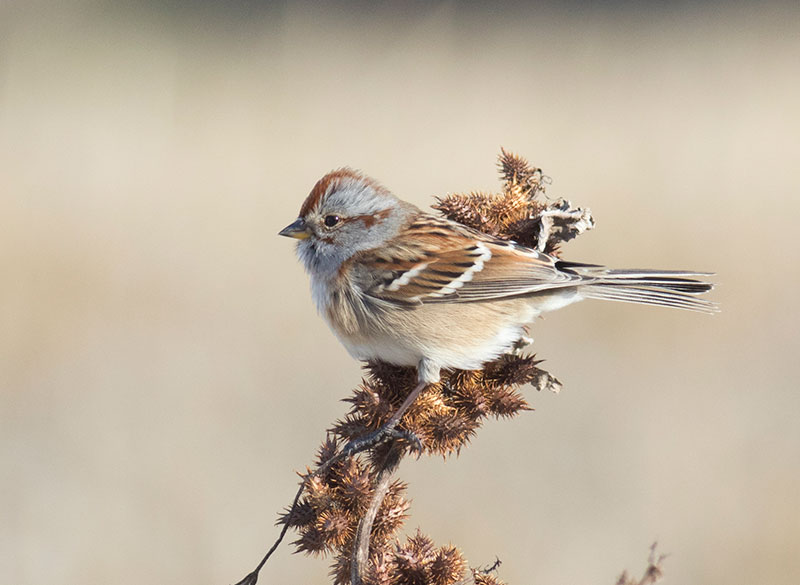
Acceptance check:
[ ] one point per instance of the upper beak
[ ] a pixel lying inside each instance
(298, 230)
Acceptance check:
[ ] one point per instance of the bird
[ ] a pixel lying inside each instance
(399, 285)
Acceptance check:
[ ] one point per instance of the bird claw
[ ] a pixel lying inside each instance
(382, 435)
(414, 442)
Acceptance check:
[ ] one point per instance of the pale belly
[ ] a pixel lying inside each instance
(459, 352)
(460, 336)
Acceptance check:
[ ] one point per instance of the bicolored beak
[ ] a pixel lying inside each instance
(298, 230)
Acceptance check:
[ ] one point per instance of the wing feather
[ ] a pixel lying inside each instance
(451, 263)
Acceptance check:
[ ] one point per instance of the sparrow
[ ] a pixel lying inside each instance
(402, 286)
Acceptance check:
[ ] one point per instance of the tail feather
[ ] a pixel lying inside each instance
(683, 285)
(665, 288)
(644, 296)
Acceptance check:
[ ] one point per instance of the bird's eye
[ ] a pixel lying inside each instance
(331, 220)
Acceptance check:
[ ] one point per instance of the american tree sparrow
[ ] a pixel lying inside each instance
(399, 285)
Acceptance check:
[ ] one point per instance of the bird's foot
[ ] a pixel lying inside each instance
(384, 434)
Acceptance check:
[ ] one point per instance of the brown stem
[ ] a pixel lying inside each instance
(652, 574)
(252, 577)
(383, 481)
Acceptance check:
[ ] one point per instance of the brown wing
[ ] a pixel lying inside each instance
(440, 261)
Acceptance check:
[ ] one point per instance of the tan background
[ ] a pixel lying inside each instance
(162, 369)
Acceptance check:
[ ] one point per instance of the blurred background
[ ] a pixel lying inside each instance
(163, 373)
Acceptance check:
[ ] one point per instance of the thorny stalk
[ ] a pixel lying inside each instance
(383, 482)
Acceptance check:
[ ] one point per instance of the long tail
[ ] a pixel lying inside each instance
(666, 288)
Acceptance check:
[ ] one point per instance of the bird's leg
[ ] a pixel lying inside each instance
(388, 430)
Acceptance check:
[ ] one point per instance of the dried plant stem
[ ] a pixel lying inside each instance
(252, 577)
(581, 220)
(652, 574)
(383, 481)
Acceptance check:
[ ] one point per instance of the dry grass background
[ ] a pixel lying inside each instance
(162, 371)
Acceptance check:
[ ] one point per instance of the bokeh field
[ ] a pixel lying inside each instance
(163, 373)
